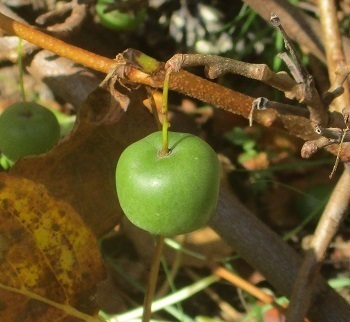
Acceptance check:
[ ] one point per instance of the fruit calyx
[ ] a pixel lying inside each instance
(163, 154)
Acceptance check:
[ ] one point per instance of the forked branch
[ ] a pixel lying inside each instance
(333, 215)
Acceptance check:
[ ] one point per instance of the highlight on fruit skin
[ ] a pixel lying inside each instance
(27, 128)
(173, 194)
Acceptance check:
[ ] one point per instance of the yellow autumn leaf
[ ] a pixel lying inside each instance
(49, 260)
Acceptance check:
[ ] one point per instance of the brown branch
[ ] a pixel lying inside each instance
(333, 45)
(291, 66)
(182, 82)
(301, 72)
(204, 90)
(226, 99)
(339, 202)
(271, 256)
(236, 224)
(308, 93)
(311, 147)
(337, 88)
(216, 66)
(57, 46)
(262, 103)
(328, 226)
(334, 134)
(305, 91)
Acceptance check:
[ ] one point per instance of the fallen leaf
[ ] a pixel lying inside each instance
(49, 260)
(81, 169)
(70, 82)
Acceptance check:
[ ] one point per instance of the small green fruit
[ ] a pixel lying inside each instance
(173, 194)
(117, 20)
(27, 128)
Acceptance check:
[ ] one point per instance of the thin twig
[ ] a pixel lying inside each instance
(333, 46)
(248, 287)
(334, 134)
(152, 279)
(336, 163)
(262, 103)
(309, 94)
(302, 73)
(326, 229)
(292, 66)
(339, 80)
(311, 147)
(216, 66)
(57, 46)
(226, 308)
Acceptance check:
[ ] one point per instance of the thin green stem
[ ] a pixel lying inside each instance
(20, 69)
(152, 279)
(165, 122)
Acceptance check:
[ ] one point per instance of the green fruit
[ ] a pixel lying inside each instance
(27, 129)
(117, 20)
(168, 195)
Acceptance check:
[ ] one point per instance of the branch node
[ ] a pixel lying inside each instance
(261, 103)
(335, 134)
(346, 115)
(175, 63)
(311, 147)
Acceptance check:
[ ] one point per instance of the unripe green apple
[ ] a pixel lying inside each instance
(117, 20)
(168, 195)
(27, 128)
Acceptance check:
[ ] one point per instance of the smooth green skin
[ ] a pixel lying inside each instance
(170, 195)
(27, 128)
(117, 20)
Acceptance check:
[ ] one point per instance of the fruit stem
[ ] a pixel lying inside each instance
(165, 122)
(152, 279)
(147, 64)
(20, 69)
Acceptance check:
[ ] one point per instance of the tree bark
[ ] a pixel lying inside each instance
(270, 255)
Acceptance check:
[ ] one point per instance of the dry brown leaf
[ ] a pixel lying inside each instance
(70, 82)
(81, 169)
(49, 261)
